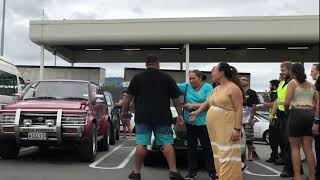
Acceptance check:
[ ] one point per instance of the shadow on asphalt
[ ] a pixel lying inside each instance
(51, 156)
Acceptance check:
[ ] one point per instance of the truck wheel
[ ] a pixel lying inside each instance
(266, 137)
(112, 134)
(9, 149)
(117, 130)
(103, 144)
(88, 150)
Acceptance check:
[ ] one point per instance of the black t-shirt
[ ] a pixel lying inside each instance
(251, 98)
(153, 90)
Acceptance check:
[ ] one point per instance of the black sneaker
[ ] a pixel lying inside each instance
(213, 176)
(135, 176)
(286, 174)
(175, 176)
(279, 162)
(271, 160)
(191, 176)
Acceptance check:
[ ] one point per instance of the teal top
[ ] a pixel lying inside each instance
(196, 97)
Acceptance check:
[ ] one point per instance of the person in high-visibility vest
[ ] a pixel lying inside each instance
(279, 110)
(274, 127)
(315, 74)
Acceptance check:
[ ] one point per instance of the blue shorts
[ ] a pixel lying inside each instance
(163, 134)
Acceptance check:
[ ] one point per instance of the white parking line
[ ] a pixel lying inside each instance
(28, 149)
(266, 167)
(93, 165)
(122, 165)
(264, 175)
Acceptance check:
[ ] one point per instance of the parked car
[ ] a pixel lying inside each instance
(261, 127)
(181, 144)
(114, 112)
(11, 81)
(56, 113)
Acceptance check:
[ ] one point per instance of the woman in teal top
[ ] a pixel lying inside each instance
(196, 92)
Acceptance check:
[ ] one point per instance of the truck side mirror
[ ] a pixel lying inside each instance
(99, 98)
(16, 97)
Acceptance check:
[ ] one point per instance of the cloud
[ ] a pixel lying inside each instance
(21, 50)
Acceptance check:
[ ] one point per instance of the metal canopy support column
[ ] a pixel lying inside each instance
(42, 50)
(41, 62)
(3, 27)
(187, 48)
(55, 57)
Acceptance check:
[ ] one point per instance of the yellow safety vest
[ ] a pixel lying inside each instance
(282, 92)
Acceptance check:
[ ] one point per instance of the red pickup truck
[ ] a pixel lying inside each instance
(56, 113)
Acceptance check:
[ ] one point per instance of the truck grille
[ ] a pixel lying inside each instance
(73, 120)
(38, 118)
(7, 118)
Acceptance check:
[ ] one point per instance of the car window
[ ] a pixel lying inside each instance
(108, 98)
(8, 84)
(57, 90)
(93, 89)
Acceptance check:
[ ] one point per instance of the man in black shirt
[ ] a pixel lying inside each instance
(274, 127)
(249, 110)
(152, 91)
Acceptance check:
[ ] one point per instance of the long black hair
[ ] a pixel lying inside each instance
(298, 72)
(231, 74)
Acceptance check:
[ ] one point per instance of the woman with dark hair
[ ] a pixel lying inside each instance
(224, 121)
(301, 97)
(196, 92)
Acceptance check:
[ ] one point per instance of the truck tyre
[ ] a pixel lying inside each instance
(9, 149)
(117, 129)
(88, 149)
(103, 144)
(112, 134)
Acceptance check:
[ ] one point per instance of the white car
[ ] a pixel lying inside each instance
(261, 127)
(11, 82)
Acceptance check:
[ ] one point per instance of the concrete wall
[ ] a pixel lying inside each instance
(96, 75)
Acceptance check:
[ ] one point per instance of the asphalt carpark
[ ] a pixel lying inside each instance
(116, 164)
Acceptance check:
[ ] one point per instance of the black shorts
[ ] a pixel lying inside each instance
(300, 122)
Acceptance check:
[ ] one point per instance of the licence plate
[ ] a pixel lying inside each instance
(37, 136)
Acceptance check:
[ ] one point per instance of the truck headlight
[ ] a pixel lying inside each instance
(50, 122)
(27, 122)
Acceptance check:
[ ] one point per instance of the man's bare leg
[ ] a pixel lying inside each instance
(169, 153)
(141, 152)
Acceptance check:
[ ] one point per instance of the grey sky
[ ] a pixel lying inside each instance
(21, 50)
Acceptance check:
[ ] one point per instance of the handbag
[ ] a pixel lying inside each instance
(181, 130)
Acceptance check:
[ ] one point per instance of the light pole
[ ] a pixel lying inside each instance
(3, 24)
